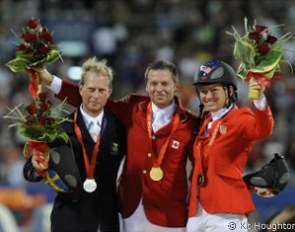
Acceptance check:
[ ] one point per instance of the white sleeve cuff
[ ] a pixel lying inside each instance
(55, 85)
(260, 103)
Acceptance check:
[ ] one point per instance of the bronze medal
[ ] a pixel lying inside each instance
(201, 179)
(156, 173)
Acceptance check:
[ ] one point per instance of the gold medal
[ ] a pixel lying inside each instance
(156, 173)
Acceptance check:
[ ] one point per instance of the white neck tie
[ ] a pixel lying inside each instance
(94, 130)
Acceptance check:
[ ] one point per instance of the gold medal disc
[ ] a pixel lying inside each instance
(156, 173)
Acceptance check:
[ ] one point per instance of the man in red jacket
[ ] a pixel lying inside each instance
(219, 198)
(153, 185)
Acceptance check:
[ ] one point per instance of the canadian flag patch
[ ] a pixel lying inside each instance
(175, 144)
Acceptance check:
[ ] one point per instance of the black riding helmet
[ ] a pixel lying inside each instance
(271, 179)
(216, 72)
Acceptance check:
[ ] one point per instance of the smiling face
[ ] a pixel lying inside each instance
(160, 87)
(95, 92)
(214, 97)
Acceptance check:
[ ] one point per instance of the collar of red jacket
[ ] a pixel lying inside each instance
(179, 109)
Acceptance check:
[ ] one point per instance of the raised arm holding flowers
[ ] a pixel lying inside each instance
(260, 55)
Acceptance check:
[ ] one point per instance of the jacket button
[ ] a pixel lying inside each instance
(149, 155)
(144, 171)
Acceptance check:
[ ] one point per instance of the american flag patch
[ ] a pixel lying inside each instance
(205, 69)
(222, 129)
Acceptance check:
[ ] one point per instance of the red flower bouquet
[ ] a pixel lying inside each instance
(259, 53)
(38, 121)
(36, 49)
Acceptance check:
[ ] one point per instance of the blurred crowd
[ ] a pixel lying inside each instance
(130, 34)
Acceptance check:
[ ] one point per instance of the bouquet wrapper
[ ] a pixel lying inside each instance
(263, 81)
(39, 147)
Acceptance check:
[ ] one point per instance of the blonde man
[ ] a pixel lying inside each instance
(97, 139)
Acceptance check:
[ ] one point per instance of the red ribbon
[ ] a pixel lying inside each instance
(264, 81)
(89, 163)
(34, 84)
(38, 146)
(157, 161)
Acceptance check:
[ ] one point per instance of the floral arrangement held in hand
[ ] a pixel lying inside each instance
(37, 121)
(260, 55)
(36, 49)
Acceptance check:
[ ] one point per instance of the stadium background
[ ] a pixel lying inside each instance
(130, 34)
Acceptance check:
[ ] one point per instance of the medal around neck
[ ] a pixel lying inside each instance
(156, 173)
(89, 185)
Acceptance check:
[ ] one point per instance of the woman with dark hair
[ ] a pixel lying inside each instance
(219, 198)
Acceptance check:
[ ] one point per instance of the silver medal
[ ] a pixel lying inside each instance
(89, 185)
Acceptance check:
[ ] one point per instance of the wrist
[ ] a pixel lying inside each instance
(261, 103)
(49, 80)
(40, 172)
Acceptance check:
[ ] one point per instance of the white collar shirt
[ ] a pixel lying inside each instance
(219, 114)
(161, 117)
(93, 124)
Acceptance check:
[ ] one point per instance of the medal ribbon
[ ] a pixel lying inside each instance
(211, 139)
(199, 154)
(88, 166)
(176, 119)
(198, 150)
(201, 145)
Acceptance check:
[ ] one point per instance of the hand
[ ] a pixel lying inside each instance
(40, 160)
(255, 89)
(44, 76)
